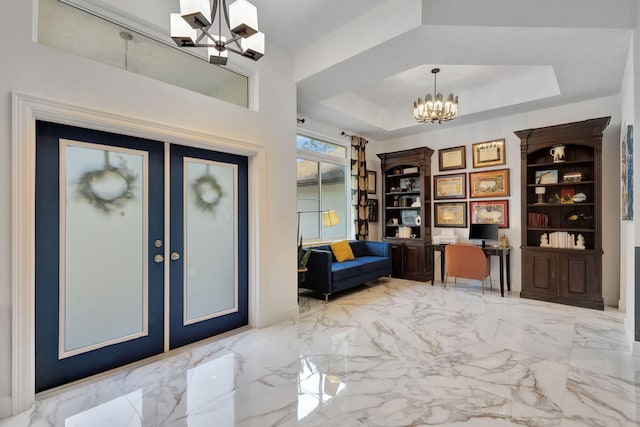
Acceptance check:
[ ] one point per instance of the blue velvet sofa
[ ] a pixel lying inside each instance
(326, 276)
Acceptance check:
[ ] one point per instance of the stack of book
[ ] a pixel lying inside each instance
(565, 240)
(538, 219)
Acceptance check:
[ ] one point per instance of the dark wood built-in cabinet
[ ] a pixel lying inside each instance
(566, 274)
(406, 219)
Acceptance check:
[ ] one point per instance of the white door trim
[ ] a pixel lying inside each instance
(26, 109)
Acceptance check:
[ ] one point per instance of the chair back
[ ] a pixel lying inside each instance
(466, 261)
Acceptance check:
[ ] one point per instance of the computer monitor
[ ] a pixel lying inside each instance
(483, 232)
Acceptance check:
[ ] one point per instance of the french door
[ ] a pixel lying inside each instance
(100, 249)
(208, 244)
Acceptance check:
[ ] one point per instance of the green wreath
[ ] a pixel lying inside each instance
(93, 186)
(207, 192)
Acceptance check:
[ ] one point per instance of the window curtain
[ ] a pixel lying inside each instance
(359, 187)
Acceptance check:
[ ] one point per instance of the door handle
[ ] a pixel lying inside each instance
(158, 258)
(175, 256)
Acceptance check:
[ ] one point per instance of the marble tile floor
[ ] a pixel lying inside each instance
(392, 353)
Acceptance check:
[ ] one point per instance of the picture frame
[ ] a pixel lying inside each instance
(451, 186)
(489, 153)
(409, 217)
(371, 182)
(450, 214)
(452, 158)
(373, 210)
(490, 212)
(494, 183)
(547, 176)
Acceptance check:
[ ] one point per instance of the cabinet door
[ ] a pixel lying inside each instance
(540, 273)
(397, 259)
(577, 275)
(414, 260)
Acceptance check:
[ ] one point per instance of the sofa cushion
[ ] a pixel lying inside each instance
(342, 251)
(357, 267)
(358, 247)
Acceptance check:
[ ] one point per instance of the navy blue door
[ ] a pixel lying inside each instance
(99, 297)
(99, 211)
(208, 242)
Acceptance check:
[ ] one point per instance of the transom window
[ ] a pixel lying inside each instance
(72, 30)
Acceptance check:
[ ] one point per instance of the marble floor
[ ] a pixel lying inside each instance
(393, 353)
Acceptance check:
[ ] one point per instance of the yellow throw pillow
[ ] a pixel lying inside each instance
(342, 251)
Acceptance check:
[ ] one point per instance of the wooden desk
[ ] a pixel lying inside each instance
(503, 253)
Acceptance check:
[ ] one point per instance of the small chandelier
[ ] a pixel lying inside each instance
(434, 109)
(192, 28)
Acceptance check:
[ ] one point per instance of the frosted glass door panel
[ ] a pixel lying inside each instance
(103, 241)
(210, 223)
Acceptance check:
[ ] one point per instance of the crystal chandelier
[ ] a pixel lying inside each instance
(193, 27)
(434, 109)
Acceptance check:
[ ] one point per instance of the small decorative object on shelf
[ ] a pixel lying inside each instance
(572, 177)
(557, 152)
(544, 240)
(579, 198)
(540, 192)
(580, 242)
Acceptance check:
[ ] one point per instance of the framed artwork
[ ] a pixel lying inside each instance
(566, 195)
(410, 217)
(371, 182)
(453, 186)
(488, 153)
(450, 214)
(489, 184)
(626, 174)
(547, 177)
(490, 212)
(452, 158)
(373, 209)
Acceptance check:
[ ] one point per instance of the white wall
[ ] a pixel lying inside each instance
(30, 68)
(630, 233)
(627, 228)
(504, 128)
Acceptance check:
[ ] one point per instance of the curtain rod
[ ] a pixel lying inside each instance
(349, 135)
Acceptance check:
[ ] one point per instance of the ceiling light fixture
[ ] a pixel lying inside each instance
(434, 109)
(192, 28)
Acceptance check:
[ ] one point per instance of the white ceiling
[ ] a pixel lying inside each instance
(360, 64)
(371, 59)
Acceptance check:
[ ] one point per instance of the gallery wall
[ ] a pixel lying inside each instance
(37, 70)
(447, 136)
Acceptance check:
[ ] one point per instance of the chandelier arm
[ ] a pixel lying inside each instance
(203, 32)
(239, 52)
(235, 37)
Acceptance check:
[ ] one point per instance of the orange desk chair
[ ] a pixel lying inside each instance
(466, 261)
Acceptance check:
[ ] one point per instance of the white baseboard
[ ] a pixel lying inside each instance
(5, 406)
(287, 314)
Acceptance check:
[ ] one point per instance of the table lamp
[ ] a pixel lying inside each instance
(540, 192)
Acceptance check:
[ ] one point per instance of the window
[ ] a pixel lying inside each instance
(322, 185)
(73, 30)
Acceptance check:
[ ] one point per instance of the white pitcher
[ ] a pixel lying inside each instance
(558, 153)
